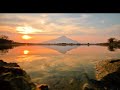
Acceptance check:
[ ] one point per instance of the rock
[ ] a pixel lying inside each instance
(71, 81)
(2, 63)
(43, 87)
(12, 65)
(5, 85)
(108, 75)
(106, 67)
(21, 83)
(114, 61)
(12, 77)
(86, 86)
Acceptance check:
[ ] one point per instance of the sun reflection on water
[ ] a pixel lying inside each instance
(26, 51)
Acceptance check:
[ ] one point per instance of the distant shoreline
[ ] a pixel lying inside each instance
(60, 44)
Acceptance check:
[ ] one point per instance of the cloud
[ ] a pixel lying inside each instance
(22, 19)
(113, 30)
(53, 24)
(7, 28)
(27, 30)
(102, 21)
(72, 19)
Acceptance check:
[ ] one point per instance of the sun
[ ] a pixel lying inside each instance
(26, 37)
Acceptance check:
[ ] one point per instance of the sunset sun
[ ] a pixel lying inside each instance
(26, 37)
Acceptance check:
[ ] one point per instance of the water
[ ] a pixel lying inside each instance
(61, 67)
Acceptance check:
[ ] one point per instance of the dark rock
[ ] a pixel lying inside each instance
(2, 63)
(43, 87)
(12, 77)
(107, 67)
(5, 85)
(114, 61)
(12, 65)
(21, 83)
(86, 86)
(108, 75)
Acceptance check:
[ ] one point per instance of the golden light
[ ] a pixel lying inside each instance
(28, 29)
(26, 37)
(42, 22)
(25, 30)
(25, 51)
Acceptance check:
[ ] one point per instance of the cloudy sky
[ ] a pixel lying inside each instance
(40, 27)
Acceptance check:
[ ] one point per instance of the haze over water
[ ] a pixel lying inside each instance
(61, 69)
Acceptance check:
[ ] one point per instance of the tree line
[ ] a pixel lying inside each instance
(5, 40)
(113, 41)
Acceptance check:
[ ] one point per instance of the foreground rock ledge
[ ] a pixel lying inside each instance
(107, 75)
(12, 77)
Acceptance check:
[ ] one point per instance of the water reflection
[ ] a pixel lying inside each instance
(112, 48)
(5, 48)
(73, 70)
(62, 49)
(4, 51)
(26, 51)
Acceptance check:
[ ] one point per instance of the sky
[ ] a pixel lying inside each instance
(40, 27)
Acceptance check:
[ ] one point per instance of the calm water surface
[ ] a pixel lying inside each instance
(61, 67)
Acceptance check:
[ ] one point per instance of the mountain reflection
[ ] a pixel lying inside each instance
(62, 49)
(59, 48)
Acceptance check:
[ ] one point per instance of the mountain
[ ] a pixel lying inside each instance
(61, 39)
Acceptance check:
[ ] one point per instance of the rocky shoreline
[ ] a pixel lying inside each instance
(12, 77)
(107, 75)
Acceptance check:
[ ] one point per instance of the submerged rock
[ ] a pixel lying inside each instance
(43, 87)
(12, 77)
(107, 75)
(106, 67)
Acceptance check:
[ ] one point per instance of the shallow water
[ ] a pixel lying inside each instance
(61, 67)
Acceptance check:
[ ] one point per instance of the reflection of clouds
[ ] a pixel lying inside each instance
(40, 68)
(28, 58)
(67, 79)
(51, 63)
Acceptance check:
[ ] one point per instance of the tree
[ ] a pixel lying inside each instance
(4, 40)
(3, 37)
(111, 40)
